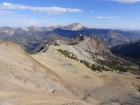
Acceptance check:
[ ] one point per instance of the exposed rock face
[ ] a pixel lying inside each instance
(92, 44)
(77, 39)
(97, 44)
(93, 41)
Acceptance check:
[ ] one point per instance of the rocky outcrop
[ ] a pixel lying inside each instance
(60, 40)
(97, 44)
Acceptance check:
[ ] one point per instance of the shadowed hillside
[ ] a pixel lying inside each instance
(130, 51)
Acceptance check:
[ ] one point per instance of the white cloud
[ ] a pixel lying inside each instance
(49, 10)
(126, 1)
(4, 12)
(106, 17)
(17, 22)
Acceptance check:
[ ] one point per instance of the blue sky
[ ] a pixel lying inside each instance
(90, 13)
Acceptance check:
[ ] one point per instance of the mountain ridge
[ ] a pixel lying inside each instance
(91, 70)
(31, 37)
(129, 51)
(91, 49)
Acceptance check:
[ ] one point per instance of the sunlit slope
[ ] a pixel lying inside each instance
(104, 87)
(24, 81)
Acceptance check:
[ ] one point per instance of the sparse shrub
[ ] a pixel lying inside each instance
(93, 67)
(68, 54)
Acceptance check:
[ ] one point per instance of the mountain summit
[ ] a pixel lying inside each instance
(74, 26)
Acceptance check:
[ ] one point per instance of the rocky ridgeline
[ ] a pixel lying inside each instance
(93, 51)
(93, 41)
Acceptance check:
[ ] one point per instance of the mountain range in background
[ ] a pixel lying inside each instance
(69, 65)
(31, 37)
(129, 51)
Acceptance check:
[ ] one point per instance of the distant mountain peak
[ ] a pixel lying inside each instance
(32, 28)
(74, 26)
(24, 29)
